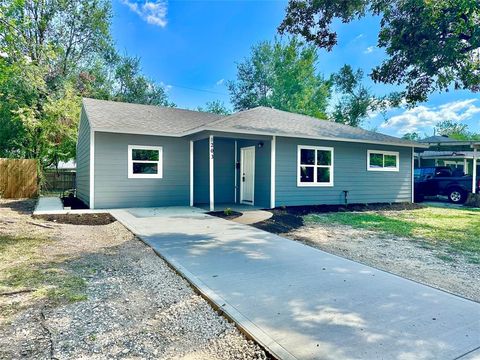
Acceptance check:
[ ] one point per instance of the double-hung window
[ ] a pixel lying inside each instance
(145, 161)
(382, 160)
(315, 166)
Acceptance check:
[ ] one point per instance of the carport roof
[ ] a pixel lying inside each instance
(118, 117)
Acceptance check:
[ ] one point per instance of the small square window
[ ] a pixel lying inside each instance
(315, 166)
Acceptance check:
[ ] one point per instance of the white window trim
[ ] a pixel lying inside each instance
(314, 184)
(159, 163)
(394, 153)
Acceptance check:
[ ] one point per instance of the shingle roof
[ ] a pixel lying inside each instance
(147, 119)
(277, 122)
(125, 117)
(438, 139)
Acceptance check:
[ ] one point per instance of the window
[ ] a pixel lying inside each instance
(382, 160)
(315, 166)
(145, 161)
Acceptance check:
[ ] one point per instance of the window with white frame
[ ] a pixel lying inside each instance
(382, 160)
(145, 161)
(315, 166)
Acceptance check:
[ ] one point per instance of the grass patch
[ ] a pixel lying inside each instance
(457, 229)
(24, 267)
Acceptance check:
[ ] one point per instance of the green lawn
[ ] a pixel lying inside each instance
(457, 229)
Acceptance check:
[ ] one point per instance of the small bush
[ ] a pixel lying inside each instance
(228, 212)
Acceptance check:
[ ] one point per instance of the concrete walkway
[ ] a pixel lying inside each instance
(303, 303)
(253, 217)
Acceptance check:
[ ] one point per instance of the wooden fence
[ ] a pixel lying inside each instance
(57, 181)
(18, 178)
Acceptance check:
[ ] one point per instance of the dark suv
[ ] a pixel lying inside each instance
(442, 180)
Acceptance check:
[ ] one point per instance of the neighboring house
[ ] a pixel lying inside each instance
(132, 155)
(445, 151)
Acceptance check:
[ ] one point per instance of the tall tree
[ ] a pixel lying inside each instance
(51, 54)
(453, 129)
(356, 101)
(215, 107)
(282, 75)
(430, 45)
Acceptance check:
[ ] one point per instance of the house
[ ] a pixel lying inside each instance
(131, 155)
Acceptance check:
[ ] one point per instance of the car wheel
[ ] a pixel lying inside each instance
(457, 196)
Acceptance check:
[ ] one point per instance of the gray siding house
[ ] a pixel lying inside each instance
(131, 155)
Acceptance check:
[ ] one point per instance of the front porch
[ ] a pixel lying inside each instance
(232, 171)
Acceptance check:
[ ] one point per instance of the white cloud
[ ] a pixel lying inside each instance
(359, 36)
(220, 82)
(153, 12)
(167, 87)
(369, 50)
(423, 116)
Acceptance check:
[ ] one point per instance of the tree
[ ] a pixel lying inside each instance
(281, 75)
(51, 54)
(453, 129)
(215, 107)
(430, 45)
(356, 101)
(413, 136)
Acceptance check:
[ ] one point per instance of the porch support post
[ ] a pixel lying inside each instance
(211, 164)
(236, 173)
(191, 172)
(465, 166)
(474, 177)
(413, 174)
(272, 171)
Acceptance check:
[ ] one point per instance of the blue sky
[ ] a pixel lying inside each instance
(191, 47)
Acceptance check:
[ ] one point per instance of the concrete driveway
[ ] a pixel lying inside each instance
(303, 303)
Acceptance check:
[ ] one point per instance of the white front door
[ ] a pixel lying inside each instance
(247, 174)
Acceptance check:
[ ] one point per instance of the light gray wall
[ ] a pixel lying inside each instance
(350, 173)
(113, 188)
(83, 159)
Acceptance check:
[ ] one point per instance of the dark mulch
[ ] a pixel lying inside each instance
(74, 203)
(221, 214)
(79, 219)
(290, 218)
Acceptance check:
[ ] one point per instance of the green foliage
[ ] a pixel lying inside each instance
(53, 53)
(215, 107)
(228, 212)
(430, 45)
(281, 75)
(455, 130)
(414, 136)
(356, 101)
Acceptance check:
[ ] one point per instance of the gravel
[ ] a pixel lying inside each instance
(136, 307)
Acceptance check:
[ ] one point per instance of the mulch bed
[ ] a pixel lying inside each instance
(290, 218)
(221, 214)
(78, 219)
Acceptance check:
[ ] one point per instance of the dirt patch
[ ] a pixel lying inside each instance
(79, 219)
(221, 214)
(132, 305)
